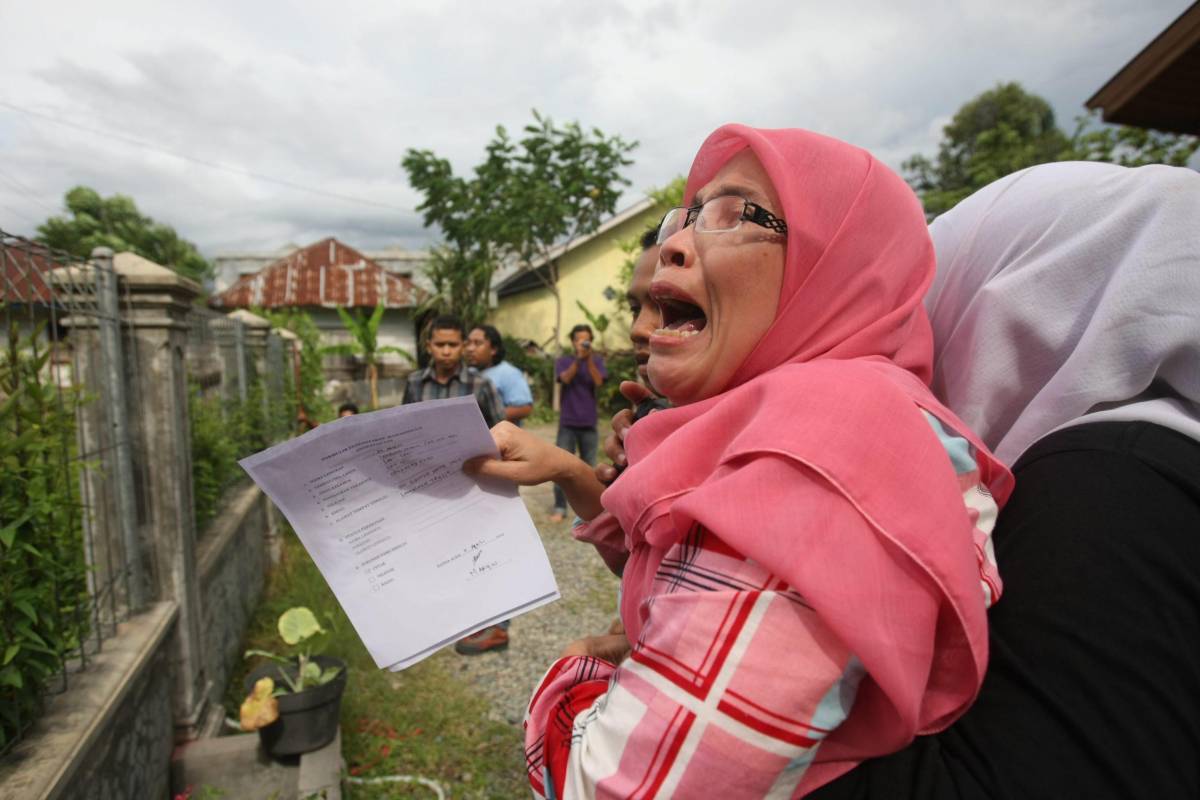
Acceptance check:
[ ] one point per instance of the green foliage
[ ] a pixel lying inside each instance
(297, 628)
(557, 184)
(460, 269)
(670, 194)
(224, 430)
(548, 188)
(425, 720)
(364, 333)
(622, 366)
(247, 421)
(115, 222)
(1007, 129)
(461, 280)
(1127, 146)
(214, 455)
(43, 574)
(298, 624)
(665, 198)
(999, 132)
(312, 376)
(538, 366)
(543, 414)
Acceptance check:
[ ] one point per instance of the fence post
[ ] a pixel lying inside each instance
(253, 342)
(117, 408)
(159, 301)
(239, 349)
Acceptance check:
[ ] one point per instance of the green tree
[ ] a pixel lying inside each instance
(461, 279)
(1128, 146)
(460, 267)
(115, 222)
(364, 332)
(1006, 129)
(527, 200)
(310, 388)
(665, 197)
(44, 608)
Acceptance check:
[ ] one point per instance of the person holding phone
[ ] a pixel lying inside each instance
(580, 374)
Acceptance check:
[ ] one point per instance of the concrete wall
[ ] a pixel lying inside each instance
(584, 273)
(111, 734)
(132, 757)
(232, 564)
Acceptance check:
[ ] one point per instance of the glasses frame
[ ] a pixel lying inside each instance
(751, 212)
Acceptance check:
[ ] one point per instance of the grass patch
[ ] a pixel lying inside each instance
(421, 721)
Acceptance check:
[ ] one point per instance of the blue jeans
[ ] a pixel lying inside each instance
(570, 439)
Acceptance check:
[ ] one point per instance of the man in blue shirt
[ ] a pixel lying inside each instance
(485, 352)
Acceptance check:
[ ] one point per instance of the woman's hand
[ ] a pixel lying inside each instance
(525, 459)
(612, 647)
(614, 443)
(528, 460)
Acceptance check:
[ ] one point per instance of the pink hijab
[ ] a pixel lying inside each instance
(834, 385)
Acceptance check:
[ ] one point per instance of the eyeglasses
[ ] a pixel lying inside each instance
(719, 215)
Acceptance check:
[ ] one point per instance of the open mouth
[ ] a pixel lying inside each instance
(680, 318)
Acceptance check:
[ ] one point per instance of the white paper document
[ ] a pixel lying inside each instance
(418, 553)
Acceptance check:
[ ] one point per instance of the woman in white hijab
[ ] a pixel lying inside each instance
(1066, 316)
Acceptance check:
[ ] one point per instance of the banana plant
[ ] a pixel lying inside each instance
(364, 343)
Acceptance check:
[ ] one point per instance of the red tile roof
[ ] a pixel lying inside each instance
(26, 271)
(327, 273)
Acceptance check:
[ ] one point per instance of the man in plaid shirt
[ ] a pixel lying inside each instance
(447, 375)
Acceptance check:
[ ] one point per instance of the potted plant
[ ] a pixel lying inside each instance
(294, 700)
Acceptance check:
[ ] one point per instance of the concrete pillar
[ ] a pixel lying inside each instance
(156, 306)
(116, 570)
(256, 331)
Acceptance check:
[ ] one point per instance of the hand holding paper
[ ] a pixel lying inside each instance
(417, 553)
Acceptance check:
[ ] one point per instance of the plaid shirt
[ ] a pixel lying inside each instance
(423, 385)
(734, 684)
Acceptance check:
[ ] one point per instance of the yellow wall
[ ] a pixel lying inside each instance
(583, 275)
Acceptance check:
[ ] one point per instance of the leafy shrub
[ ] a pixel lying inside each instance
(43, 574)
(538, 366)
(542, 414)
(224, 431)
(312, 375)
(214, 455)
(621, 366)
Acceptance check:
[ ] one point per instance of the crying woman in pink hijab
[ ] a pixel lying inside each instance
(807, 527)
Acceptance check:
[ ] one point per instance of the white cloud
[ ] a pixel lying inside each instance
(330, 96)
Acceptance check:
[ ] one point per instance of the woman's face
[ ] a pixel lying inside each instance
(718, 291)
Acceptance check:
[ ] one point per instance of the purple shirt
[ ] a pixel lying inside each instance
(578, 406)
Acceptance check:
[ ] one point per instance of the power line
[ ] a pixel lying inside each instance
(29, 193)
(16, 213)
(202, 162)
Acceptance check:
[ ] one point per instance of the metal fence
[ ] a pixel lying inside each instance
(246, 370)
(74, 455)
(68, 472)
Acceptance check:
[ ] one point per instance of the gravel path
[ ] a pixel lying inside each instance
(588, 606)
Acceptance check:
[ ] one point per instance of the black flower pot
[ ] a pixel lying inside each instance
(308, 720)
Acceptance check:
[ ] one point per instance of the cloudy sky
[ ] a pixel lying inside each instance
(247, 125)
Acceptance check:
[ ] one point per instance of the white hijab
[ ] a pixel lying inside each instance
(1069, 293)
